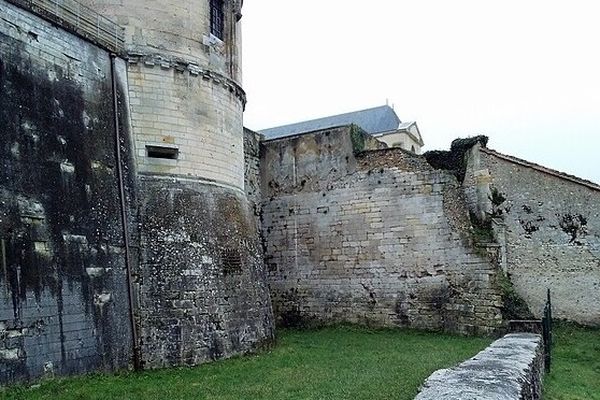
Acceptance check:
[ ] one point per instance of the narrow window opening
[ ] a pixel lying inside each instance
(168, 153)
(217, 18)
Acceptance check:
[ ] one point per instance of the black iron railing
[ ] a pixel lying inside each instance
(547, 332)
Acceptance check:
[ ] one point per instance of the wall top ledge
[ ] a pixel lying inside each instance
(511, 368)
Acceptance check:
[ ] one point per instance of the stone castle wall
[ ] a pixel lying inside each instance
(377, 238)
(63, 303)
(549, 224)
(199, 285)
(252, 177)
(182, 110)
(352, 232)
(203, 286)
(184, 88)
(178, 30)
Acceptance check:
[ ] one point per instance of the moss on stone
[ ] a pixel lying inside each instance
(483, 231)
(513, 305)
(357, 135)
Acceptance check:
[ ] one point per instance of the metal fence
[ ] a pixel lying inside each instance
(80, 20)
(547, 332)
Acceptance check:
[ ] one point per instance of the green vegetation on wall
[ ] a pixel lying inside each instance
(513, 305)
(454, 160)
(357, 135)
(482, 229)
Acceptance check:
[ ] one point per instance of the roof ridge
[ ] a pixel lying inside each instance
(372, 120)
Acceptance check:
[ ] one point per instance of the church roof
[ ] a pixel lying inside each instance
(372, 120)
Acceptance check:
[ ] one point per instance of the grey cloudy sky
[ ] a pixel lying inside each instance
(526, 73)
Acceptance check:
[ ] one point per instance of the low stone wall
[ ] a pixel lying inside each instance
(510, 369)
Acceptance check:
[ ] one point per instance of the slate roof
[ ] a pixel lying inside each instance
(372, 120)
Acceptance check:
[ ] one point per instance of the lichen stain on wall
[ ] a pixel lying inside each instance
(59, 228)
(547, 224)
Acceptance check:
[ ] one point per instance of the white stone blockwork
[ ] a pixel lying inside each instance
(198, 116)
(185, 98)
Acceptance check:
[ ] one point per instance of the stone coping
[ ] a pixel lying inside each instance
(511, 368)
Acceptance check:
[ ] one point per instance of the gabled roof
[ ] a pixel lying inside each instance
(406, 125)
(372, 120)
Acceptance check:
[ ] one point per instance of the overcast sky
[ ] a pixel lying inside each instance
(525, 73)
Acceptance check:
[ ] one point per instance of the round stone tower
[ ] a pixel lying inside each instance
(202, 291)
(184, 83)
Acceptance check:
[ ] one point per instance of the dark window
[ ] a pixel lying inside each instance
(216, 18)
(169, 153)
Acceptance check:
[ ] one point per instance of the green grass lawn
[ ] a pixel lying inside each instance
(333, 363)
(575, 373)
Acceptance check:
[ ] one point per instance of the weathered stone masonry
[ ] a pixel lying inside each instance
(203, 286)
(63, 302)
(252, 177)
(548, 224)
(378, 238)
(202, 283)
(352, 232)
(511, 368)
(199, 283)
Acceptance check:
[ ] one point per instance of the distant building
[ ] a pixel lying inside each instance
(382, 122)
(406, 136)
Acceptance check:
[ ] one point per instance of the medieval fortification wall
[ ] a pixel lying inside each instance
(198, 288)
(132, 199)
(64, 303)
(375, 237)
(548, 224)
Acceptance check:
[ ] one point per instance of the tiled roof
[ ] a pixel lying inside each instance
(372, 120)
